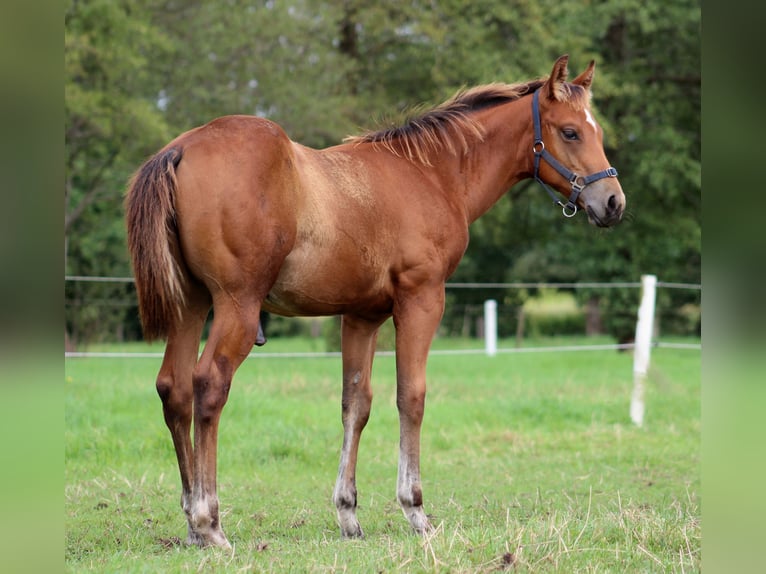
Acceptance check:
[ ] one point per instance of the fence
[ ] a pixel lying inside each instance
(487, 327)
(642, 344)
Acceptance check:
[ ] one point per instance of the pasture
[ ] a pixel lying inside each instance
(530, 464)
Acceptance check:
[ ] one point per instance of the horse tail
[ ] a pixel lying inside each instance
(154, 244)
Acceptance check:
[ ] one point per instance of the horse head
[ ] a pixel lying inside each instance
(568, 147)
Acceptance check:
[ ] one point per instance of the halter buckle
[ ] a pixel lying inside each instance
(577, 183)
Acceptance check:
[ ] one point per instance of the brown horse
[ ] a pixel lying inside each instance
(235, 216)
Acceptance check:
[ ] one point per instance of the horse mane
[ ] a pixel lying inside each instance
(450, 125)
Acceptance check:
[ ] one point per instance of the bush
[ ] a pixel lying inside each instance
(553, 313)
(554, 324)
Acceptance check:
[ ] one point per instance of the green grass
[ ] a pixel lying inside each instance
(530, 464)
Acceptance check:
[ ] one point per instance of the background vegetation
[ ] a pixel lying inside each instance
(139, 72)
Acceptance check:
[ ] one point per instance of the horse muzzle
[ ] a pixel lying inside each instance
(604, 204)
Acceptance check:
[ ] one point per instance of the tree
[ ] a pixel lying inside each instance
(273, 59)
(654, 112)
(112, 123)
(110, 118)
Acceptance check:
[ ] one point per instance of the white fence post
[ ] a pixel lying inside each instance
(643, 345)
(490, 327)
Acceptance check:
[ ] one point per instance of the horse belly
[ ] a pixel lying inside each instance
(314, 285)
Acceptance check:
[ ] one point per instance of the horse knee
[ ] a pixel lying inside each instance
(355, 409)
(411, 405)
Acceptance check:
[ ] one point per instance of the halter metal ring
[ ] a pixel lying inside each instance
(535, 149)
(567, 206)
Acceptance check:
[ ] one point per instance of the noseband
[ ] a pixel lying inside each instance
(577, 182)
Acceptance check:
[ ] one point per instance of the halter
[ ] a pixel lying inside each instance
(577, 182)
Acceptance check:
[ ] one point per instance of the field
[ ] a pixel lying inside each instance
(530, 464)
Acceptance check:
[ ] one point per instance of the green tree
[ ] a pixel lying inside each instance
(112, 123)
(654, 113)
(268, 58)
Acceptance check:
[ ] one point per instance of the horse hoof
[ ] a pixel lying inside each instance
(215, 539)
(420, 523)
(352, 533)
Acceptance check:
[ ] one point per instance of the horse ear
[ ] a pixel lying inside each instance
(586, 78)
(552, 88)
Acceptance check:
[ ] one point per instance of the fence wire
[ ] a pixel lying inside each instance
(433, 352)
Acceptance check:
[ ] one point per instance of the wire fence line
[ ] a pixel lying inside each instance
(511, 285)
(579, 285)
(456, 285)
(90, 279)
(433, 352)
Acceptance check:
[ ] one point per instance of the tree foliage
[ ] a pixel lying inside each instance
(139, 72)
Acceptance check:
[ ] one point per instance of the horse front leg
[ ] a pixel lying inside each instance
(416, 316)
(358, 344)
(232, 335)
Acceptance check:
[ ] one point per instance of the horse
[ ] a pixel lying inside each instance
(235, 216)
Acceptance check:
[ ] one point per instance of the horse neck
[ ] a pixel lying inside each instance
(502, 159)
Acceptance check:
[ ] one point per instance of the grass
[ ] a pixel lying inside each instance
(530, 464)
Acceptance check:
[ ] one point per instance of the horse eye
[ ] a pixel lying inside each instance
(569, 135)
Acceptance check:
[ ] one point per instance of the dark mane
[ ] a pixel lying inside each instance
(447, 126)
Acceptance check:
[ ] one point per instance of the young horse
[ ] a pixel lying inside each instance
(236, 216)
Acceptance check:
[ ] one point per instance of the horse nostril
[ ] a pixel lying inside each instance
(611, 202)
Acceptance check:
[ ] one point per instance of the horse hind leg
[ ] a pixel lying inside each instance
(232, 335)
(174, 387)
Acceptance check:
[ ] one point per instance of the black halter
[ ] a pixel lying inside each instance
(577, 182)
